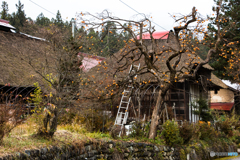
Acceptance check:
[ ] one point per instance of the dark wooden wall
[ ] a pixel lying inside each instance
(179, 95)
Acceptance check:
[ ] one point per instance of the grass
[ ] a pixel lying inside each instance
(24, 137)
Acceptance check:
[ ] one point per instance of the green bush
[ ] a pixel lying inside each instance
(186, 132)
(236, 137)
(171, 133)
(227, 123)
(225, 127)
(204, 131)
(202, 110)
(139, 130)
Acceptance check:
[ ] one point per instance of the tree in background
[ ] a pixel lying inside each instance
(20, 13)
(104, 43)
(227, 53)
(4, 12)
(18, 19)
(58, 21)
(42, 20)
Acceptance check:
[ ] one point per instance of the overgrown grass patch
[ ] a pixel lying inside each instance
(24, 137)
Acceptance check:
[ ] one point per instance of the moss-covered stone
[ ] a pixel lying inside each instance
(120, 150)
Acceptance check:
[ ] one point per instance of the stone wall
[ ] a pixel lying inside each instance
(108, 150)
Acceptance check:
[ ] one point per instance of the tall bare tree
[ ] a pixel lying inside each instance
(165, 62)
(53, 62)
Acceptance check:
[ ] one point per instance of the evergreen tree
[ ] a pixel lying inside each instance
(18, 19)
(105, 43)
(202, 110)
(14, 20)
(4, 12)
(20, 13)
(42, 20)
(58, 20)
(112, 41)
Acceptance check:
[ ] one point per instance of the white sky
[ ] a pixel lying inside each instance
(158, 9)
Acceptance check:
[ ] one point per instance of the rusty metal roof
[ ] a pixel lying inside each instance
(222, 106)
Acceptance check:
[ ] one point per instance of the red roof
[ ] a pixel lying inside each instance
(90, 61)
(6, 24)
(222, 106)
(4, 21)
(156, 35)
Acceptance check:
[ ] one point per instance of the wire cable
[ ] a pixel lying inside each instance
(141, 14)
(45, 9)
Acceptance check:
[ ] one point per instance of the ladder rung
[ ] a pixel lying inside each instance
(124, 102)
(122, 112)
(118, 124)
(122, 116)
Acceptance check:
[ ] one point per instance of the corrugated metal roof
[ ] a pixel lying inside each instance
(33, 37)
(232, 85)
(222, 106)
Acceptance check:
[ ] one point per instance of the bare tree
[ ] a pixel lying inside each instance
(165, 62)
(53, 62)
(10, 117)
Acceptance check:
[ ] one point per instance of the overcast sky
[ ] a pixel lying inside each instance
(158, 9)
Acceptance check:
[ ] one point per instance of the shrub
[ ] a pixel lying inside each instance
(94, 120)
(227, 123)
(74, 127)
(10, 117)
(236, 137)
(171, 133)
(67, 117)
(139, 130)
(186, 132)
(204, 131)
(225, 127)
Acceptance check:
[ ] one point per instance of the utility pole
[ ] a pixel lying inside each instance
(73, 26)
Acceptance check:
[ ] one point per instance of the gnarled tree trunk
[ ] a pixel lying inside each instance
(155, 116)
(50, 119)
